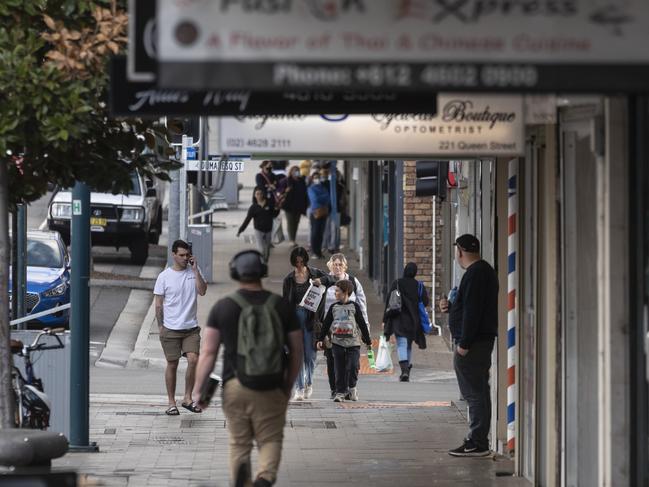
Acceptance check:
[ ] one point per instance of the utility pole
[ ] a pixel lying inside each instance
(173, 216)
(80, 320)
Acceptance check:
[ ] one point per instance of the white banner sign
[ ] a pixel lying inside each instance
(465, 125)
(528, 31)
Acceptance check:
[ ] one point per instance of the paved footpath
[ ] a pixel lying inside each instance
(397, 434)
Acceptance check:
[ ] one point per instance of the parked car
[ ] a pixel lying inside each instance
(130, 220)
(48, 278)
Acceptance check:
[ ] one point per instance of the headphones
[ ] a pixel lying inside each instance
(248, 264)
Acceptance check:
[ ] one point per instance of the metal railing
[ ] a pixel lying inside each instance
(40, 314)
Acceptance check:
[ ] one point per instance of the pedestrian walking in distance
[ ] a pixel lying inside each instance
(262, 213)
(176, 290)
(295, 286)
(255, 327)
(406, 324)
(348, 329)
(319, 211)
(267, 180)
(473, 320)
(296, 202)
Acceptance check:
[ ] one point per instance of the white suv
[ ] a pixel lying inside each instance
(130, 220)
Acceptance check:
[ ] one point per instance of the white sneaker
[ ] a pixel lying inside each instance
(339, 398)
(308, 391)
(299, 395)
(353, 394)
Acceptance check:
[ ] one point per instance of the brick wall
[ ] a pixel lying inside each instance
(418, 228)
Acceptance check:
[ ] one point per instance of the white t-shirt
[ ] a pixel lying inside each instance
(179, 291)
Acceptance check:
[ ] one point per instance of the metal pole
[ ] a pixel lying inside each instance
(80, 319)
(182, 193)
(174, 215)
(21, 262)
(13, 245)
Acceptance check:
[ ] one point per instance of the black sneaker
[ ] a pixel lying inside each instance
(469, 449)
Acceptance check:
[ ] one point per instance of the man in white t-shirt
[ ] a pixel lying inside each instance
(175, 309)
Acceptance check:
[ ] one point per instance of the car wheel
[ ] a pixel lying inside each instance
(154, 234)
(139, 250)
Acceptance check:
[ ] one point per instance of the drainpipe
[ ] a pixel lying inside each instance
(433, 319)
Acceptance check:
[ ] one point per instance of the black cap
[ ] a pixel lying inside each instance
(468, 243)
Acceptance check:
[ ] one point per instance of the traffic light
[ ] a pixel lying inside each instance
(431, 178)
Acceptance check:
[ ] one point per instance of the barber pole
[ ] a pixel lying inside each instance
(512, 283)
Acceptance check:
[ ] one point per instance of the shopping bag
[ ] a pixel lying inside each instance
(312, 297)
(423, 314)
(383, 358)
(277, 236)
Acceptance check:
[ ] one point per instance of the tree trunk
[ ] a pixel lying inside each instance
(6, 394)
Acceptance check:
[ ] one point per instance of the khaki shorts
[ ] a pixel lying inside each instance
(179, 342)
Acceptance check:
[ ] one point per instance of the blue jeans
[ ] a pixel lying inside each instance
(404, 349)
(317, 233)
(305, 376)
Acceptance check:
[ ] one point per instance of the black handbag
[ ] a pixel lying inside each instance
(394, 302)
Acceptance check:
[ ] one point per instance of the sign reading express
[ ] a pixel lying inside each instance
(465, 125)
(526, 45)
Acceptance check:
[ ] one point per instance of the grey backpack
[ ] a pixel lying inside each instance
(260, 344)
(394, 302)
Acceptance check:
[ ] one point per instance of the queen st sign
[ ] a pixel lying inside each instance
(419, 45)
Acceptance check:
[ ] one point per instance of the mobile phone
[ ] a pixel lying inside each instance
(189, 244)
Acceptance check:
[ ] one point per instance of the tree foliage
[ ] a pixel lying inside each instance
(54, 121)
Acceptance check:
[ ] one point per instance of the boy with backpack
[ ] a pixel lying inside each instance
(255, 326)
(347, 327)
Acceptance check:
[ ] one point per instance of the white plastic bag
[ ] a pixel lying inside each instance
(312, 297)
(383, 356)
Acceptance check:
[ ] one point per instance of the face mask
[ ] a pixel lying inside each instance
(316, 181)
(296, 174)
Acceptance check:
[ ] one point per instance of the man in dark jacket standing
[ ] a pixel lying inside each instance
(473, 320)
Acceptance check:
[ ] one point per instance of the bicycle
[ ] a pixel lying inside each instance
(32, 404)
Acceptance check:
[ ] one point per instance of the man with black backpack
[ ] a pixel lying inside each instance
(256, 327)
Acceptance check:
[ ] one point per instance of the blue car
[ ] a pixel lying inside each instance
(48, 278)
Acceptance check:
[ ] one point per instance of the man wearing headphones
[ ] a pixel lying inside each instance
(256, 410)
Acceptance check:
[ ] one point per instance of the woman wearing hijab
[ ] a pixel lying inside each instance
(406, 324)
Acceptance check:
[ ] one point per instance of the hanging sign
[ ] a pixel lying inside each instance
(145, 99)
(470, 45)
(466, 125)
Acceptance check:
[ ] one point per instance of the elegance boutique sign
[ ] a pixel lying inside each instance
(465, 125)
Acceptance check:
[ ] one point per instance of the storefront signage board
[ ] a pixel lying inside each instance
(468, 45)
(466, 125)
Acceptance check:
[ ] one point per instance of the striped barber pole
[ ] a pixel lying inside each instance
(512, 283)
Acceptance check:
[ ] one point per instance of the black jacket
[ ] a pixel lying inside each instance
(288, 292)
(407, 323)
(473, 316)
(262, 217)
(297, 200)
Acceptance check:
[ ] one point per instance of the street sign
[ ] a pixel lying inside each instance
(142, 38)
(216, 164)
(145, 99)
(469, 45)
(192, 153)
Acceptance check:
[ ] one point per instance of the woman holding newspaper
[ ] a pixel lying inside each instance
(303, 291)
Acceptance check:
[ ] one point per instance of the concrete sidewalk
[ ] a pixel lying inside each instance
(397, 434)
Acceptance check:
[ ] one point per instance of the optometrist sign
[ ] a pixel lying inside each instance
(469, 45)
(466, 125)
